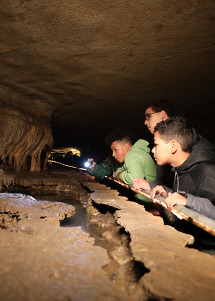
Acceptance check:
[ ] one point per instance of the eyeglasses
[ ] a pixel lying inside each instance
(148, 115)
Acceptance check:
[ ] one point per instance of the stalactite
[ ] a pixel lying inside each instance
(24, 136)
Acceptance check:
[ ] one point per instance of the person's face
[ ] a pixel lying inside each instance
(152, 118)
(119, 150)
(162, 150)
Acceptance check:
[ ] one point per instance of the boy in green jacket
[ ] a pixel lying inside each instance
(136, 158)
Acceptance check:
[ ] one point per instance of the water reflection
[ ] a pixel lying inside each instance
(78, 219)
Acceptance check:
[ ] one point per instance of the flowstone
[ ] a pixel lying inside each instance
(176, 272)
(39, 260)
(148, 260)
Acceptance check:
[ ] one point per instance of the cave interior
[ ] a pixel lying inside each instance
(71, 71)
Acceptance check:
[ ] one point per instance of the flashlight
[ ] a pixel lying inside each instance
(87, 164)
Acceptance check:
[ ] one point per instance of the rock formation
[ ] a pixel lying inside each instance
(89, 61)
(41, 261)
(144, 259)
(25, 139)
(70, 71)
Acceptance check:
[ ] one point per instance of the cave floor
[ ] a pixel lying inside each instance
(144, 258)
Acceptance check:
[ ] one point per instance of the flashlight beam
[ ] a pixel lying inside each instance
(67, 165)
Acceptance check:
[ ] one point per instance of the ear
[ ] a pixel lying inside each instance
(164, 115)
(127, 146)
(174, 146)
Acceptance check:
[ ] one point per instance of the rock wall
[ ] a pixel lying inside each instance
(25, 139)
(93, 61)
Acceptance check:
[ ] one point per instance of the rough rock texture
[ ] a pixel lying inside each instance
(41, 261)
(25, 139)
(86, 61)
(148, 260)
(50, 181)
(20, 212)
(175, 272)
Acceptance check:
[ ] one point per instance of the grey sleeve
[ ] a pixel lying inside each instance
(152, 184)
(201, 205)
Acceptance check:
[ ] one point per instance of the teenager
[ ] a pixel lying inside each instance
(156, 112)
(193, 165)
(136, 158)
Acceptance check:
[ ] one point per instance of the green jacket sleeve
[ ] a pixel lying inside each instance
(133, 170)
(120, 169)
(138, 166)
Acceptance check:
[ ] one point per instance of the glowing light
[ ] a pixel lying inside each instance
(87, 164)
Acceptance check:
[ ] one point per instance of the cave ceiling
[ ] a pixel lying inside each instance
(94, 65)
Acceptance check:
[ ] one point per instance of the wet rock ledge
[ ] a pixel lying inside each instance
(39, 260)
(175, 272)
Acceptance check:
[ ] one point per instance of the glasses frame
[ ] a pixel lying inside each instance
(148, 115)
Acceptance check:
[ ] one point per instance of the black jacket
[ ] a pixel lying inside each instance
(195, 178)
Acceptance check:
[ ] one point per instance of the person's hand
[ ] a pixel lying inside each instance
(175, 199)
(140, 184)
(118, 175)
(159, 190)
(92, 167)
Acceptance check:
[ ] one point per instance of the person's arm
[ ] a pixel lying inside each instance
(118, 172)
(161, 190)
(201, 205)
(198, 204)
(134, 169)
(120, 169)
(141, 184)
(204, 179)
(101, 170)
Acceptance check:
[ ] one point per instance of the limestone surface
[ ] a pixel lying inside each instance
(39, 260)
(175, 271)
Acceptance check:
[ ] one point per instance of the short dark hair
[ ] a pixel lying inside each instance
(162, 105)
(119, 134)
(176, 128)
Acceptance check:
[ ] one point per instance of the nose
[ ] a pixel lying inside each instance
(146, 122)
(153, 150)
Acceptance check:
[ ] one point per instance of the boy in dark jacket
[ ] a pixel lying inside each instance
(194, 183)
